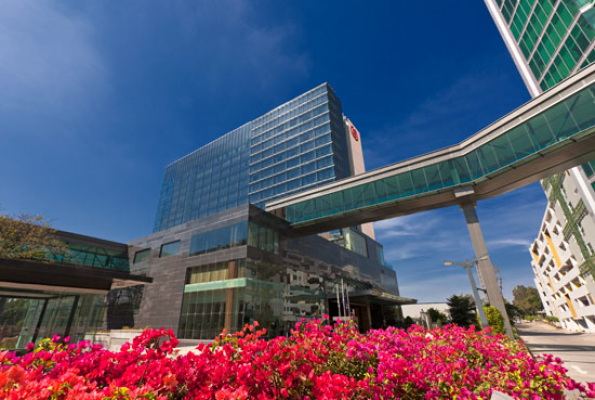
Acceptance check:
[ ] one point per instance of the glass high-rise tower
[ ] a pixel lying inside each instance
(297, 146)
(548, 39)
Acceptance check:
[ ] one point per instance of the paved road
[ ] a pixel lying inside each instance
(577, 350)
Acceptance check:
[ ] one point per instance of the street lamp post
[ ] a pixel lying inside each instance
(468, 265)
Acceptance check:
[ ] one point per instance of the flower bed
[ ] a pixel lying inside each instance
(315, 362)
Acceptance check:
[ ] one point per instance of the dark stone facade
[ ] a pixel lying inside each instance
(301, 278)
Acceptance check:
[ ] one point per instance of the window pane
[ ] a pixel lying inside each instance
(169, 249)
(142, 255)
(503, 150)
(218, 239)
(520, 141)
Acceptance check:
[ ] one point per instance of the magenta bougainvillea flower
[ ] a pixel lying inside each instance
(316, 361)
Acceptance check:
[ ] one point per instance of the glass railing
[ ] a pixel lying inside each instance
(510, 149)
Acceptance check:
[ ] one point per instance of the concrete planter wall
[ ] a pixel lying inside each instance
(115, 338)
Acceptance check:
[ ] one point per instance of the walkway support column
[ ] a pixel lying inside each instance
(484, 265)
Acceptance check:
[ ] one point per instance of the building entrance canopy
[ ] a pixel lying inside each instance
(549, 134)
(380, 296)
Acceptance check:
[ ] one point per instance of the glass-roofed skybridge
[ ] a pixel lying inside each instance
(549, 134)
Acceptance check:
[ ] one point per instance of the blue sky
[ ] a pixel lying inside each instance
(96, 98)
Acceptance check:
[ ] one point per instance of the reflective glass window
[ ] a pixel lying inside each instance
(325, 174)
(169, 249)
(308, 179)
(589, 168)
(308, 168)
(141, 256)
(218, 239)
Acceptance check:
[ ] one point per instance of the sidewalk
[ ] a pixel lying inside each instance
(577, 350)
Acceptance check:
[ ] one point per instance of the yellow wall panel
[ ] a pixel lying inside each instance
(552, 247)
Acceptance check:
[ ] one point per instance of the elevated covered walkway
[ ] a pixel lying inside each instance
(549, 134)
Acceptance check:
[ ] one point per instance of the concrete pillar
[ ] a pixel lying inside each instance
(484, 265)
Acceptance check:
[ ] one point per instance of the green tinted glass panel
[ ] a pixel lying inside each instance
(580, 38)
(526, 6)
(405, 184)
(541, 17)
(525, 49)
(567, 57)
(448, 174)
(589, 168)
(488, 158)
(549, 40)
(475, 169)
(170, 249)
(581, 3)
(561, 66)
(503, 150)
(418, 178)
(380, 189)
(586, 21)
(142, 255)
(521, 142)
(508, 9)
(433, 178)
(461, 171)
(391, 185)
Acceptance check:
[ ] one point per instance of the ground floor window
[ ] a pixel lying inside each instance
(31, 317)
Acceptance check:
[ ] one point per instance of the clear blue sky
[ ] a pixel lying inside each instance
(96, 98)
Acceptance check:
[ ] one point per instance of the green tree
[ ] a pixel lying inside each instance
(513, 311)
(495, 320)
(29, 237)
(437, 316)
(12, 314)
(462, 310)
(527, 300)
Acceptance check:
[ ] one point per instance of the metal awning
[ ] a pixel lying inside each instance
(379, 296)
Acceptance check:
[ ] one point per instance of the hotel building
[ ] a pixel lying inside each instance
(219, 261)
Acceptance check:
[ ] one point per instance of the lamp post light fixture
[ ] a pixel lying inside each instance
(468, 265)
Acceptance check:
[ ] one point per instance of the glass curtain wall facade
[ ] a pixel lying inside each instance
(211, 179)
(555, 37)
(297, 146)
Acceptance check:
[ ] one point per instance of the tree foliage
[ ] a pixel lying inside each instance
(513, 311)
(29, 237)
(495, 319)
(527, 300)
(437, 316)
(462, 310)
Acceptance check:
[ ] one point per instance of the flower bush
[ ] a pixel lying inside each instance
(316, 361)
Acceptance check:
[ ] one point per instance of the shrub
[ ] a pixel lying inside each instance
(495, 320)
(316, 361)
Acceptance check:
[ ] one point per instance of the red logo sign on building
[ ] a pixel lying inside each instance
(354, 133)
